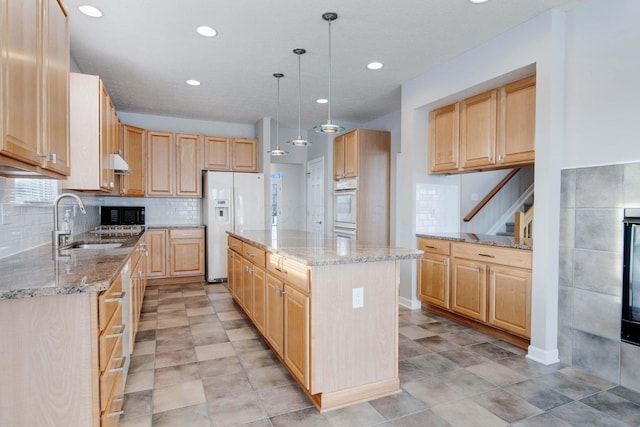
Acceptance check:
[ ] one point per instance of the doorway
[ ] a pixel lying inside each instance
(315, 196)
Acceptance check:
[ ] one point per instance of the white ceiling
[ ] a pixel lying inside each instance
(144, 50)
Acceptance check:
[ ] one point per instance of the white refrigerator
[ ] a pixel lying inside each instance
(233, 201)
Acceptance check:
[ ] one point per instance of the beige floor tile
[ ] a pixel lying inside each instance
(241, 334)
(137, 404)
(142, 363)
(189, 416)
(415, 332)
(144, 421)
(236, 409)
(173, 322)
(176, 374)
(216, 367)
(144, 348)
(206, 329)
(214, 351)
(164, 345)
(172, 358)
(287, 398)
(222, 385)
(258, 359)
(362, 414)
(200, 311)
(147, 325)
(194, 293)
(270, 376)
(230, 315)
(169, 294)
(420, 419)
(178, 396)
(431, 391)
(466, 413)
(139, 381)
(496, 373)
(163, 308)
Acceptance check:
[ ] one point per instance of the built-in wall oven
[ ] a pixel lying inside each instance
(631, 278)
(345, 208)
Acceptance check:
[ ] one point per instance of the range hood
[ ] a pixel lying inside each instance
(120, 167)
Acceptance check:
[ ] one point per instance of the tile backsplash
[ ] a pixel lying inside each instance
(25, 225)
(590, 274)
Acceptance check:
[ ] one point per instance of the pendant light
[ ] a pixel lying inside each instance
(299, 141)
(329, 127)
(278, 151)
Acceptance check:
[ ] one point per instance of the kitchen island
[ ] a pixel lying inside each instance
(327, 307)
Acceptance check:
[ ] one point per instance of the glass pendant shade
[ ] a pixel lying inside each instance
(278, 151)
(299, 141)
(329, 127)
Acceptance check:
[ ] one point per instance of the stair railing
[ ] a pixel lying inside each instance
(489, 196)
(523, 227)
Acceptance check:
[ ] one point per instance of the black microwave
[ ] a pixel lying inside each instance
(121, 215)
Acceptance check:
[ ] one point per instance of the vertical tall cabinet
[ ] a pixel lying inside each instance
(366, 155)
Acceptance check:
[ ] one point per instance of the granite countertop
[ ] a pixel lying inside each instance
(44, 270)
(481, 239)
(320, 249)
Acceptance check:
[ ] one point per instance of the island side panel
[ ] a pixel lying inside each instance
(354, 347)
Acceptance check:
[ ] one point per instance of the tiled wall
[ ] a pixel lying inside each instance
(589, 308)
(434, 208)
(25, 226)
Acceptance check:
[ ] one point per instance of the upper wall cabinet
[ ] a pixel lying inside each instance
(173, 164)
(134, 153)
(95, 136)
(34, 47)
(495, 130)
(230, 154)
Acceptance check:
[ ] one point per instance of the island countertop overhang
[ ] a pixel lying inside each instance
(315, 249)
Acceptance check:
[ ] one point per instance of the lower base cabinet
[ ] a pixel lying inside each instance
(175, 252)
(488, 284)
(296, 333)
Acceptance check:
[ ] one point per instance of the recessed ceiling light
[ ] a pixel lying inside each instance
(206, 31)
(478, 1)
(375, 65)
(322, 101)
(91, 11)
(193, 82)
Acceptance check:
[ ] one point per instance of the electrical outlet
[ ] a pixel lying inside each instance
(358, 297)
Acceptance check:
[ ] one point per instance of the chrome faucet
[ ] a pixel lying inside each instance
(63, 235)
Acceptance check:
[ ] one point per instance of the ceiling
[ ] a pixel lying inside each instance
(145, 50)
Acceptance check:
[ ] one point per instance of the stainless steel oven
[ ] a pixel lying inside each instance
(345, 203)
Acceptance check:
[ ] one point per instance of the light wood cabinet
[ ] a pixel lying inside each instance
(478, 122)
(138, 278)
(444, 139)
(230, 154)
(93, 135)
(238, 277)
(34, 103)
(160, 163)
(274, 302)
(434, 272)
(489, 284)
(186, 252)
(259, 298)
(345, 155)
(173, 164)
(246, 300)
(296, 333)
(516, 122)
(156, 261)
(492, 130)
(134, 153)
(366, 155)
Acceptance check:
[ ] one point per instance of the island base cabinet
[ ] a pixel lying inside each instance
(296, 331)
(434, 279)
(274, 301)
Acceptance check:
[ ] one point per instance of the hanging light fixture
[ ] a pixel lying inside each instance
(278, 151)
(299, 141)
(329, 127)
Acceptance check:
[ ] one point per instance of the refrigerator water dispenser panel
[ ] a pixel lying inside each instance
(222, 211)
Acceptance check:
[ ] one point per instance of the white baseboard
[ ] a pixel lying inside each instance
(546, 357)
(412, 304)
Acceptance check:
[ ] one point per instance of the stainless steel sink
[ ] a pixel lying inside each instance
(92, 245)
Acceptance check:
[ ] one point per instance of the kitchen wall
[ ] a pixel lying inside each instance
(591, 246)
(161, 211)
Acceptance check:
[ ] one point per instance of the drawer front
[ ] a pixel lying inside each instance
(254, 254)
(492, 254)
(111, 378)
(296, 274)
(109, 339)
(108, 302)
(234, 244)
(111, 415)
(434, 246)
(274, 264)
(185, 233)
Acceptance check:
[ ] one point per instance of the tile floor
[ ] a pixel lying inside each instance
(197, 361)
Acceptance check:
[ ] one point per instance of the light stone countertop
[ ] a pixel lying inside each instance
(320, 249)
(480, 239)
(45, 271)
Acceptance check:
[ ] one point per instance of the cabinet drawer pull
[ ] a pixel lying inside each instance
(118, 297)
(233, 245)
(186, 235)
(278, 269)
(120, 368)
(445, 262)
(430, 247)
(487, 255)
(250, 254)
(119, 334)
